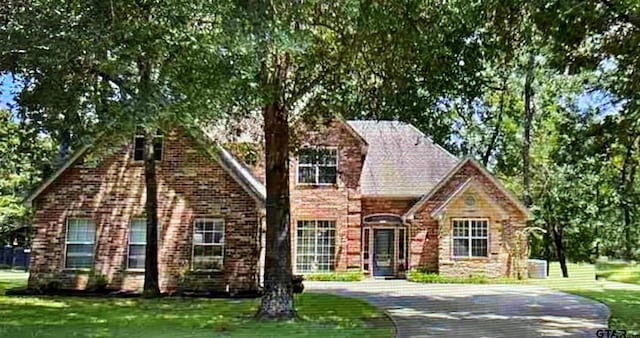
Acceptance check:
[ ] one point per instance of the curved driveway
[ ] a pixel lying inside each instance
(464, 310)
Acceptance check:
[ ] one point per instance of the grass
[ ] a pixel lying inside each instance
(12, 279)
(619, 271)
(321, 315)
(624, 303)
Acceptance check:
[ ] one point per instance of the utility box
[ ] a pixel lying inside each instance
(537, 268)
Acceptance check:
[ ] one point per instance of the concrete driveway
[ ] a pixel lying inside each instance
(463, 310)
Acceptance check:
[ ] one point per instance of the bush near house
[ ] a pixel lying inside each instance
(335, 277)
(430, 277)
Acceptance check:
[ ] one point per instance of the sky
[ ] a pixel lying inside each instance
(7, 87)
(596, 99)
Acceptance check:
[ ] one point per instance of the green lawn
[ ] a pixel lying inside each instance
(12, 279)
(321, 315)
(624, 303)
(619, 271)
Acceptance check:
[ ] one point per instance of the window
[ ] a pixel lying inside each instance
(137, 244)
(317, 166)
(138, 147)
(365, 249)
(80, 239)
(208, 244)
(470, 237)
(315, 246)
(401, 244)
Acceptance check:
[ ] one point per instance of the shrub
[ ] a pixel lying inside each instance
(97, 282)
(422, 277)
(48, 287)
(335, 276)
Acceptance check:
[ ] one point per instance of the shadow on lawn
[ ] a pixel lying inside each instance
(321, 315)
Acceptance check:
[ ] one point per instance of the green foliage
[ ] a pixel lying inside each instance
(422, 277)
(24, 158)
(335, 277)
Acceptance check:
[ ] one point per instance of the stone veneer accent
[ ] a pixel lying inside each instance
(111, 192)
(431, 247)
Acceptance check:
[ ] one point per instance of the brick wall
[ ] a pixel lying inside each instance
(340, 202)
(110, 191)
(431, 247)
(378, 205)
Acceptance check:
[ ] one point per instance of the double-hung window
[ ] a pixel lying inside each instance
(470, 237)
(138, 147)
(137, 244)
(208, 244)
(80, 240)
(317, 166)
(315, 246)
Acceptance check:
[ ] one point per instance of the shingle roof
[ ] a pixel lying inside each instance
(401, 160)
(242, 175)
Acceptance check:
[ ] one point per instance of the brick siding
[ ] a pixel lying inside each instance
(340, 202)
(431, 247)
(110, 191)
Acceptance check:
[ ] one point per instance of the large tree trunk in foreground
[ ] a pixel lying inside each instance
(151, 285)
(558, 233)
(277, 300)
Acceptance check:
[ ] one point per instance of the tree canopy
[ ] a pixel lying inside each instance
(510, 83)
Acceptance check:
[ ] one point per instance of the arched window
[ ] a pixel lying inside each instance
(383, 218)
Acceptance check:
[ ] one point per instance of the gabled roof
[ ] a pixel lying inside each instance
(401, 161)
(470, 184)
(228, 162)
(28, 202)
(242, 175)
(420, 204)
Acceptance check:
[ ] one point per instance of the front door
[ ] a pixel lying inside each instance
(383, 253)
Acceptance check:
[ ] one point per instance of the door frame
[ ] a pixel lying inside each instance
(368, 263)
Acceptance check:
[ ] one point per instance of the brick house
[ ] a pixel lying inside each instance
(371, 196)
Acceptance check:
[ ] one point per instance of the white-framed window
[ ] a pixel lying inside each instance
(79, 243)
(208, 244)
(138, 147)
(315, 246)
(137, 244)
(470, 237)
(317, 166)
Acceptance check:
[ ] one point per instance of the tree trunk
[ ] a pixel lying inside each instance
(65, 145)
(496, 129)
(151, 285)
(546, 242)
(627, 178)
(277, 300)
(628, 248)
(558, 233)
(528, 120)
